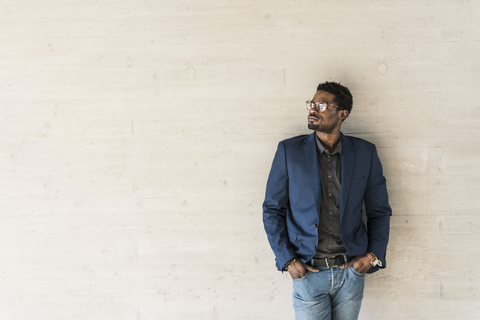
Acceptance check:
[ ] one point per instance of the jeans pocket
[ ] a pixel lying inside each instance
(302, 278)
(355, 272)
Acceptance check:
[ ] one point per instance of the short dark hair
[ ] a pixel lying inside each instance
(343, 97)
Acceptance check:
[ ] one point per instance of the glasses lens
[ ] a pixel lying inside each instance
(321, 106)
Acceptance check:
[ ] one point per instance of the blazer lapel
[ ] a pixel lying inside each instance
(348, 163)
(313, 169)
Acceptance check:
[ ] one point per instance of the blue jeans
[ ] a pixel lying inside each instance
(331, 294)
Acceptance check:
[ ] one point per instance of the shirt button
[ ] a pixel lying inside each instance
(329, 176)
(329, 194)
(330, 212)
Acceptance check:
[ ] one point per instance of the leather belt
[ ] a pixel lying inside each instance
(330, 262)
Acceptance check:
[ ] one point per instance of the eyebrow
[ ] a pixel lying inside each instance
(322, 102)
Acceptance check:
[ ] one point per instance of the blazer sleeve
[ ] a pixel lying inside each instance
(275, 208)
(378, 210)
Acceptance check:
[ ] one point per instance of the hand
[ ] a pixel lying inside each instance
(361, 264)
(297, 269)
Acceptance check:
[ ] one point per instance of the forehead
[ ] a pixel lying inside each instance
(323, 96)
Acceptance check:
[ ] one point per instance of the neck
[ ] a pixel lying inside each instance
(329, 140)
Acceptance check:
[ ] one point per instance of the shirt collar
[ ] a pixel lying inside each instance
(321, 148)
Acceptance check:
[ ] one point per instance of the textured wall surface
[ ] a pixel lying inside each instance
(136, 139)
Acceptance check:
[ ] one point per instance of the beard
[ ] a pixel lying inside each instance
(321, 128)
(312, 126)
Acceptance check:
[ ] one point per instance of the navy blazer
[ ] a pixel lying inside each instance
(292, 200)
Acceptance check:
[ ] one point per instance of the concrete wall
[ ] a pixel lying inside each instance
(136, 138)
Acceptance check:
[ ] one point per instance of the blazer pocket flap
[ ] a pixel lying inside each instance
(357, 180)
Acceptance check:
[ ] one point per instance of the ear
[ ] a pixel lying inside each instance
(343, 114)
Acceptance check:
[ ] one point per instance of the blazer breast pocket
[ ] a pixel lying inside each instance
(359, 180)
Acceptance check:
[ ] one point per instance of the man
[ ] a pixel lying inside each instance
(312, 211)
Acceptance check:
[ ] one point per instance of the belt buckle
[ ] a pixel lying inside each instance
(326, 262)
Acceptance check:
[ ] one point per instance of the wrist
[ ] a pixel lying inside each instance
(289, 263)
(374, 261)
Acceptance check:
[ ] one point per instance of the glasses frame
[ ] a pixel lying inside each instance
(321, 106)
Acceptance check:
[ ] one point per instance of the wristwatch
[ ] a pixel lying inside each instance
(374, 262)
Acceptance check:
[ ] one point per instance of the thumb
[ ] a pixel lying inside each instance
(310, 268)
(347, 265)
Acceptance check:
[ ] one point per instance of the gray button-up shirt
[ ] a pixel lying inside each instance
(329, 239)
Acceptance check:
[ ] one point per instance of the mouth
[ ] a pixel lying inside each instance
(312, 118)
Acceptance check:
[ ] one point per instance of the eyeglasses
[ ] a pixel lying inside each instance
(321, 106)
